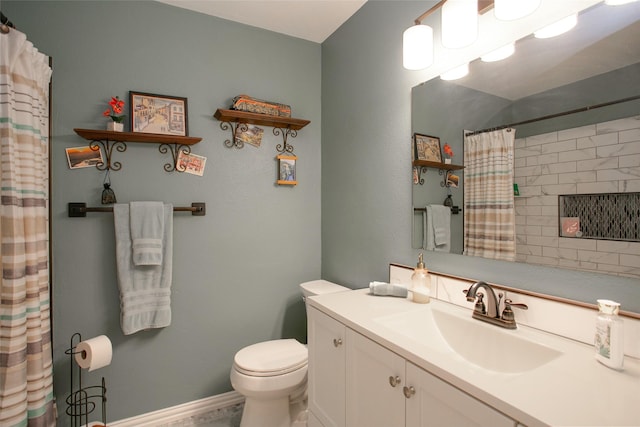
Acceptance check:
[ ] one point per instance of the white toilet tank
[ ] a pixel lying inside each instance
(319, 287)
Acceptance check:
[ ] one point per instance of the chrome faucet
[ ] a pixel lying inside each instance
(491, 312)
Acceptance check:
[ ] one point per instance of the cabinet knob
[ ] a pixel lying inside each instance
(337, 342)
(394, 381)
(408, 391)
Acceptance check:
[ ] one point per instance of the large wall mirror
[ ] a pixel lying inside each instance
(595, 64)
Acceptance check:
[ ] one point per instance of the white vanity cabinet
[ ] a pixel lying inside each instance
(374, 381)
(355, 382)
(436, 403)
(326, 374)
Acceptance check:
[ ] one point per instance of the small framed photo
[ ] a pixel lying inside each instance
(83, 157)
(427, 148)
(159, 114)
(286, 170)
(191, 163)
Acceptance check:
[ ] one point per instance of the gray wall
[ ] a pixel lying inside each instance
(235, 271)
(366, 134)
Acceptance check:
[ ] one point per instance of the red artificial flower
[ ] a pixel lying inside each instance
(117, 105)
(447, 150)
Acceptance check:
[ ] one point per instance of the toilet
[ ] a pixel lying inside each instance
(272, 375)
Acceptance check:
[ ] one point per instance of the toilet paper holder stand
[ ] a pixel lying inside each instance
(82, 401)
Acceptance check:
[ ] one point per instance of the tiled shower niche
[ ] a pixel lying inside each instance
(601, 159)
(612, 216)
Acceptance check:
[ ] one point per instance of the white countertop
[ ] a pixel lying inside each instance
(570, 390)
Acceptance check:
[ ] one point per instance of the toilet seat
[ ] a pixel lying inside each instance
(271, 358)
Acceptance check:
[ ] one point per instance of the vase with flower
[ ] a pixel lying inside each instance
(448, 153)
(116, 107)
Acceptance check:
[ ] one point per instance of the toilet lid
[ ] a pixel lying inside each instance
(271, 358)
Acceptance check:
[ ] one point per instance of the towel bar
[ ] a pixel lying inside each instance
(79, 210)
(454, 210)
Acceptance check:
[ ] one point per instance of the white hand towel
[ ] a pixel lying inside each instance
(147, 230)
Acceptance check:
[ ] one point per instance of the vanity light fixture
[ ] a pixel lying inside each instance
(500, 53)
(456, 73)
(417, 50)
(459, 23)
(557, 28)
(617, 2)
(509, 10)
(417, 47)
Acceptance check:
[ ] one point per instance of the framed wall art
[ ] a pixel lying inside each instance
(159, 114)
(287, 170)
(427, 147)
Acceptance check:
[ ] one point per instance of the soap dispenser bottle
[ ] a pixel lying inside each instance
(609, 335)
(420, 283)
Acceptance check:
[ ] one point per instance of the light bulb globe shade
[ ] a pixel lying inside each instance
(456, 73)
(459, 23)
(509, 10)
(417, 47)
(617, 2)
(557, 28)
(499, 54)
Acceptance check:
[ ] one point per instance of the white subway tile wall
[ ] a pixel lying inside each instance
(599, 158)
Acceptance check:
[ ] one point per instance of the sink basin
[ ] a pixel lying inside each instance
(487, 346)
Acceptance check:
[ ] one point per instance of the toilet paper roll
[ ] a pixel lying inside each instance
(94, 353)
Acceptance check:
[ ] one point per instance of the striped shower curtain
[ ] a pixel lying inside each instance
(489, 213)
(26, 372)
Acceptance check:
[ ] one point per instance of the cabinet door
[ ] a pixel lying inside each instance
(375, 377)
(326, 338)
(436, 403)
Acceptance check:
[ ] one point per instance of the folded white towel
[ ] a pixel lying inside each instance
(147, 230)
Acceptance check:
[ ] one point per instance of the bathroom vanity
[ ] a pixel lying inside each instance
(389, 362)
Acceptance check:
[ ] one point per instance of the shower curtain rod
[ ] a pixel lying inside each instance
(553, 116)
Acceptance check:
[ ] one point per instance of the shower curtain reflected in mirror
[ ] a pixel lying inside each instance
(26, 373)
(489, 212)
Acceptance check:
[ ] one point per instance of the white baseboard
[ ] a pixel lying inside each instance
(179, 412)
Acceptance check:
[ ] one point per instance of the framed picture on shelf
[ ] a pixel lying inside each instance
(159, 114)
(287, 170)
(427, 147)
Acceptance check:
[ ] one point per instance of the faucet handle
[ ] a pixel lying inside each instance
(509, 303)
(507, 313)
(480, 307)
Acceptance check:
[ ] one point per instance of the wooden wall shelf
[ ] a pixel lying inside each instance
(443, 169)
(285, 126)
(437, 165)
(100, 135)
(260, 119)
(109, 140)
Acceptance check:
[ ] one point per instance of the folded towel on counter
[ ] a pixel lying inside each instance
(388, 289)
(147, 231)
(145, 290)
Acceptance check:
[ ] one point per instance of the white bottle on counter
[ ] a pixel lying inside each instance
(420, 291)
(609, 335)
